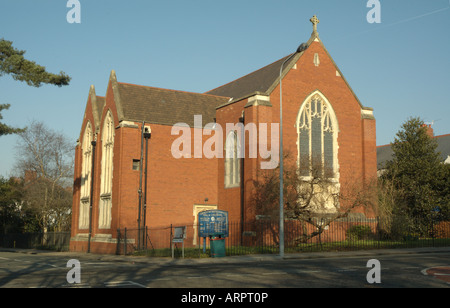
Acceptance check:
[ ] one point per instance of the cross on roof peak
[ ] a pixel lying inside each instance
(314, 20)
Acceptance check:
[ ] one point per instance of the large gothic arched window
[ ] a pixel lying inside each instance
(104, 219)
(317, 138)
(86, 168)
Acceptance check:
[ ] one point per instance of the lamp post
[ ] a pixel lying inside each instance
(147, 135)
(299, 49)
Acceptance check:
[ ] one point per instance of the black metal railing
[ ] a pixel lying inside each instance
(259, 237)
(262, 236)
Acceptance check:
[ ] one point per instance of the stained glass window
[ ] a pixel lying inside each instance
(316, 138)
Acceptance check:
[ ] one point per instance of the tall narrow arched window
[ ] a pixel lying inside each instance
(317, 129)
(86, 169)
(104, 218)
(232, 164)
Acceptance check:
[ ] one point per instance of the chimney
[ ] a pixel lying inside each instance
(429, 130)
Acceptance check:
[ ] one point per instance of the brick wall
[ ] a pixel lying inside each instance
(174, 185)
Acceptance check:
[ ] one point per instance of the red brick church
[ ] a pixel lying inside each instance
(126, 172)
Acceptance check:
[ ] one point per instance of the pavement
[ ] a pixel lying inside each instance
(229, 259)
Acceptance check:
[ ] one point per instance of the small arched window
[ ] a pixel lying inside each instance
(232, 162)
(317, 138)
(86, 169)
(106, 172)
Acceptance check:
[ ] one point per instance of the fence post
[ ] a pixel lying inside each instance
(432, 231)
(125, 242)
(378, 232)
(145, 237)
(118, 242)
(170, 239)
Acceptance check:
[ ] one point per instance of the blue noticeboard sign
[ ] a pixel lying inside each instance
(213, 221)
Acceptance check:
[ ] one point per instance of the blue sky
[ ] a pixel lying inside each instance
(400, 67)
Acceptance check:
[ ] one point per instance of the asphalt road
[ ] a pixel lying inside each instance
(49, 270)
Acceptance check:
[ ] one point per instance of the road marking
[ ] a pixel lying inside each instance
(305, 271)
(434, 271)
(48, 264)
(274, 273)
(76, 285)
(113, 284)
(98, 263)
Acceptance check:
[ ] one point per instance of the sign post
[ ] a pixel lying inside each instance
(178, 237)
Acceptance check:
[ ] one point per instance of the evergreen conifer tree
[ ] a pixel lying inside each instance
(13, 62)
(418, 175)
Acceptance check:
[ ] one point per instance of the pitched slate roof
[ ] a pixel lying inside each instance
(443, 146)
(163, 106)
(258, 82)
(167, 107)
(100, 102)
(385, 153)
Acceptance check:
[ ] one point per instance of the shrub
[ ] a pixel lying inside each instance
(359, 232)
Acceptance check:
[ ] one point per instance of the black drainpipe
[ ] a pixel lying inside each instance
(93, 143)
(242, 141)
(140, 186)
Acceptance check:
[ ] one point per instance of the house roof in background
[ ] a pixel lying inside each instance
(385, 153)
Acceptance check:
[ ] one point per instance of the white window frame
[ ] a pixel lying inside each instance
(232, 161)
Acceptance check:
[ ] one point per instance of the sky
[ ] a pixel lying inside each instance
(400, 67)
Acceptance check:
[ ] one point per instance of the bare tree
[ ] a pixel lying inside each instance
(312, 194)
(45, 157)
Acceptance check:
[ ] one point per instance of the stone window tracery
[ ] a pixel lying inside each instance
(86, 169)
(317, 138)
(104, 220)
